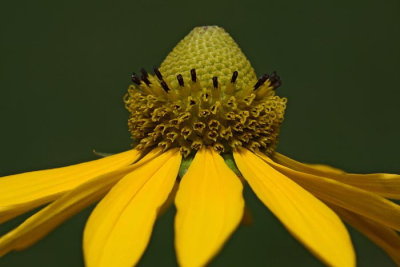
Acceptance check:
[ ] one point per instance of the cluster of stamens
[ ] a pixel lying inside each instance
(192, 116)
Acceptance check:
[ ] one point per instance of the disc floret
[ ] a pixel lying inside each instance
(190, 116)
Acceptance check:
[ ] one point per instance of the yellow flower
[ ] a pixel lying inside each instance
(206, 118)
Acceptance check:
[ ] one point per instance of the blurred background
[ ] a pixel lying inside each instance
(65, 66)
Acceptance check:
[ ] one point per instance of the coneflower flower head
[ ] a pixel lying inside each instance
(205, 93)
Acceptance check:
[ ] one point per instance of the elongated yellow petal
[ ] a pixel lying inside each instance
(346, 196)
(384, 237)
(306, 217)
(170, 200)
(384, 184)
(48, 218)
(324, 168)
(209, 206)
(44, 221)
(119, 228)
(22, 192)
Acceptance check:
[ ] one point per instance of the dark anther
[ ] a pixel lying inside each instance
(277, 84)
(146, 81)
(158, 73)
(212, 134)
(135, 79)
(274, 77)
(193, 74)
(261, 81)
(180, 80)
(219, 148)
(199, 125)
(234, 76)
(144, 73)
(164, 86)
(215, 82)
(275, 80)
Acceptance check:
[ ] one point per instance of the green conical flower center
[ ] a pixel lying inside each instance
(212, 52)
(205, 94)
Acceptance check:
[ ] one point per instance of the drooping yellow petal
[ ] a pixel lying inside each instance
(119, 228)
(20, 193)
(384, 184)
(209, 206)
(344, 195)
(384, 237)
(170, 200)
(324, 168)
(306, 217)
(42, 222)
(48, 218)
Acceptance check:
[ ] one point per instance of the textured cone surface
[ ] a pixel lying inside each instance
(212, 52)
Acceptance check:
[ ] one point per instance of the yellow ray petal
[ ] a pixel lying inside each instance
(346, 196)
(42, 222)
(209, 206)
(119, 228)
(324, 168)
(20, 193)
(48, 218)
(170, 200)
(306, 217)
(384, 184)
(384, 237)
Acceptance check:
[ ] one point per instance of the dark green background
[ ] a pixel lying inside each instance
(65, 66)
